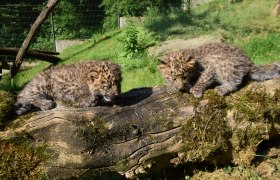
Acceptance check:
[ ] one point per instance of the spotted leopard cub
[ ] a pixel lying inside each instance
(83, 84)
(226, 66)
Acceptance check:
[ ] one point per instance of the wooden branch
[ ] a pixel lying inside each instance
(42, 55)
(150, 129)
(13, 51)
(26, 43)
(1, 68)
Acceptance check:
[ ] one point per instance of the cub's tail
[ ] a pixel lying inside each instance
(265, 72)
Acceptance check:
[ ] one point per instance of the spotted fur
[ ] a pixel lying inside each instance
(197, 69)
(83, 84)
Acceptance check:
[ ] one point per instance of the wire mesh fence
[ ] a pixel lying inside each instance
(70, 20)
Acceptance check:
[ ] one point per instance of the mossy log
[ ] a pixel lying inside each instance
(151, 129)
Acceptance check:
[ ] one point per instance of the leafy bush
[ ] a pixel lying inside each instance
(130, 42)
(136, 41)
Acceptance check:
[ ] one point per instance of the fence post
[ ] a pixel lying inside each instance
(53, 32)
(187, 5)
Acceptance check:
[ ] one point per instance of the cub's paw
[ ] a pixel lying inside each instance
(172, 89)
(222, 91)
(196, 93)
(84, 103)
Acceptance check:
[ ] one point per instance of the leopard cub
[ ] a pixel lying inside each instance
(84, 84)
(195, 70)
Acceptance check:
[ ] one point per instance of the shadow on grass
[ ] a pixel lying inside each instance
(178, 22)
(174, 22)
(91, 45)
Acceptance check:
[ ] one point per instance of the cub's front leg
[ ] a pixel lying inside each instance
(205, 80)
(86, 101)
(44, 104)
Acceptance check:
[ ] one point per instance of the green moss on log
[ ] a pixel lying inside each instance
(92, 131)
(19, 159)
(6, 107)
(206, 132)
(233, 125)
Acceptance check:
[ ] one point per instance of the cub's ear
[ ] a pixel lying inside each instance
(189, 57)
(190, 64)
(93, 75)
(163, 60)
(164, 70)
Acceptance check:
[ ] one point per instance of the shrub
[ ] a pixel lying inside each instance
(136, 41)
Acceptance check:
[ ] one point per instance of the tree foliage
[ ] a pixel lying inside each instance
(115, 8)
(135, 7)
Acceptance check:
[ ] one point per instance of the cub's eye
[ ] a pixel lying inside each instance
(107, 86)
(175, 75)
(91, 77)
(186, 74)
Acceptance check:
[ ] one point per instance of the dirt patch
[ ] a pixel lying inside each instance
(178, 44)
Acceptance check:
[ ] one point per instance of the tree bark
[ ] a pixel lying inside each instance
(42, 55)
(276, 10)
(26, 43)
(151, 129)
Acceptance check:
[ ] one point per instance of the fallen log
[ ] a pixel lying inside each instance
(151, 129)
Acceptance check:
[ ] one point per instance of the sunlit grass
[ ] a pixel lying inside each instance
(263, 49)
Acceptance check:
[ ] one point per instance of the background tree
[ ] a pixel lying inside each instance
(114, 9)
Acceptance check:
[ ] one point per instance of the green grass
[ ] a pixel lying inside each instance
(247, 24)
(239, 19)
(138, 71)
(105, 46)
(262, 49)
(21, 78)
